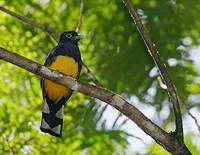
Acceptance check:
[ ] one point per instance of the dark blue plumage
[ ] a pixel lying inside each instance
(65, 53)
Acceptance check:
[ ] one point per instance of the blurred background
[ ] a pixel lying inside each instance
(116, 54)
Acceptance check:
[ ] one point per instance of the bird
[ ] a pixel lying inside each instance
(65, 58)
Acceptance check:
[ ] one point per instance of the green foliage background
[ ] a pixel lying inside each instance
(114, 52)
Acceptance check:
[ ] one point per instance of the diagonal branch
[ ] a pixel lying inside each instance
(162, 137)
(80, 16)
(175, 99)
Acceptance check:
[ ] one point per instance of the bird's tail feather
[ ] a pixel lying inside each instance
(52, 117)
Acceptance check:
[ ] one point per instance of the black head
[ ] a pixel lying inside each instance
(70, 36)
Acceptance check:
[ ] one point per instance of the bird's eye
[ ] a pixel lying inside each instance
(68, 35)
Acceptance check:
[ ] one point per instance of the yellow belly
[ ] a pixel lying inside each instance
(65, 65)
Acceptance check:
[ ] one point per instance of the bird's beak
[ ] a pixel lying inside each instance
(78, 37)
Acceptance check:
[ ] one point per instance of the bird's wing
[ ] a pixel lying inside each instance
(48, 61)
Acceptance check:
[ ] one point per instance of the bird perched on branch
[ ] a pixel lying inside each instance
(65, 58)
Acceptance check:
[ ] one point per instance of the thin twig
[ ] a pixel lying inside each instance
(100, 113)
(123, 122)
(194, 118)
(194, 105)
(138, 138)
(80, 16)
(115, 122)
(175, 99)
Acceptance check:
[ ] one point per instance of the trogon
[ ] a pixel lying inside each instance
(65, 58)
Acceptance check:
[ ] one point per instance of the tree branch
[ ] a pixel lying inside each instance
(80, 16)
(194, 118)
(175, 99)
(159, 135)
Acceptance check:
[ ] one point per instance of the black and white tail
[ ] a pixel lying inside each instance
(52, 117)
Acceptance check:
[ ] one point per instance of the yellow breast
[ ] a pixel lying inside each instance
(66, 65)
